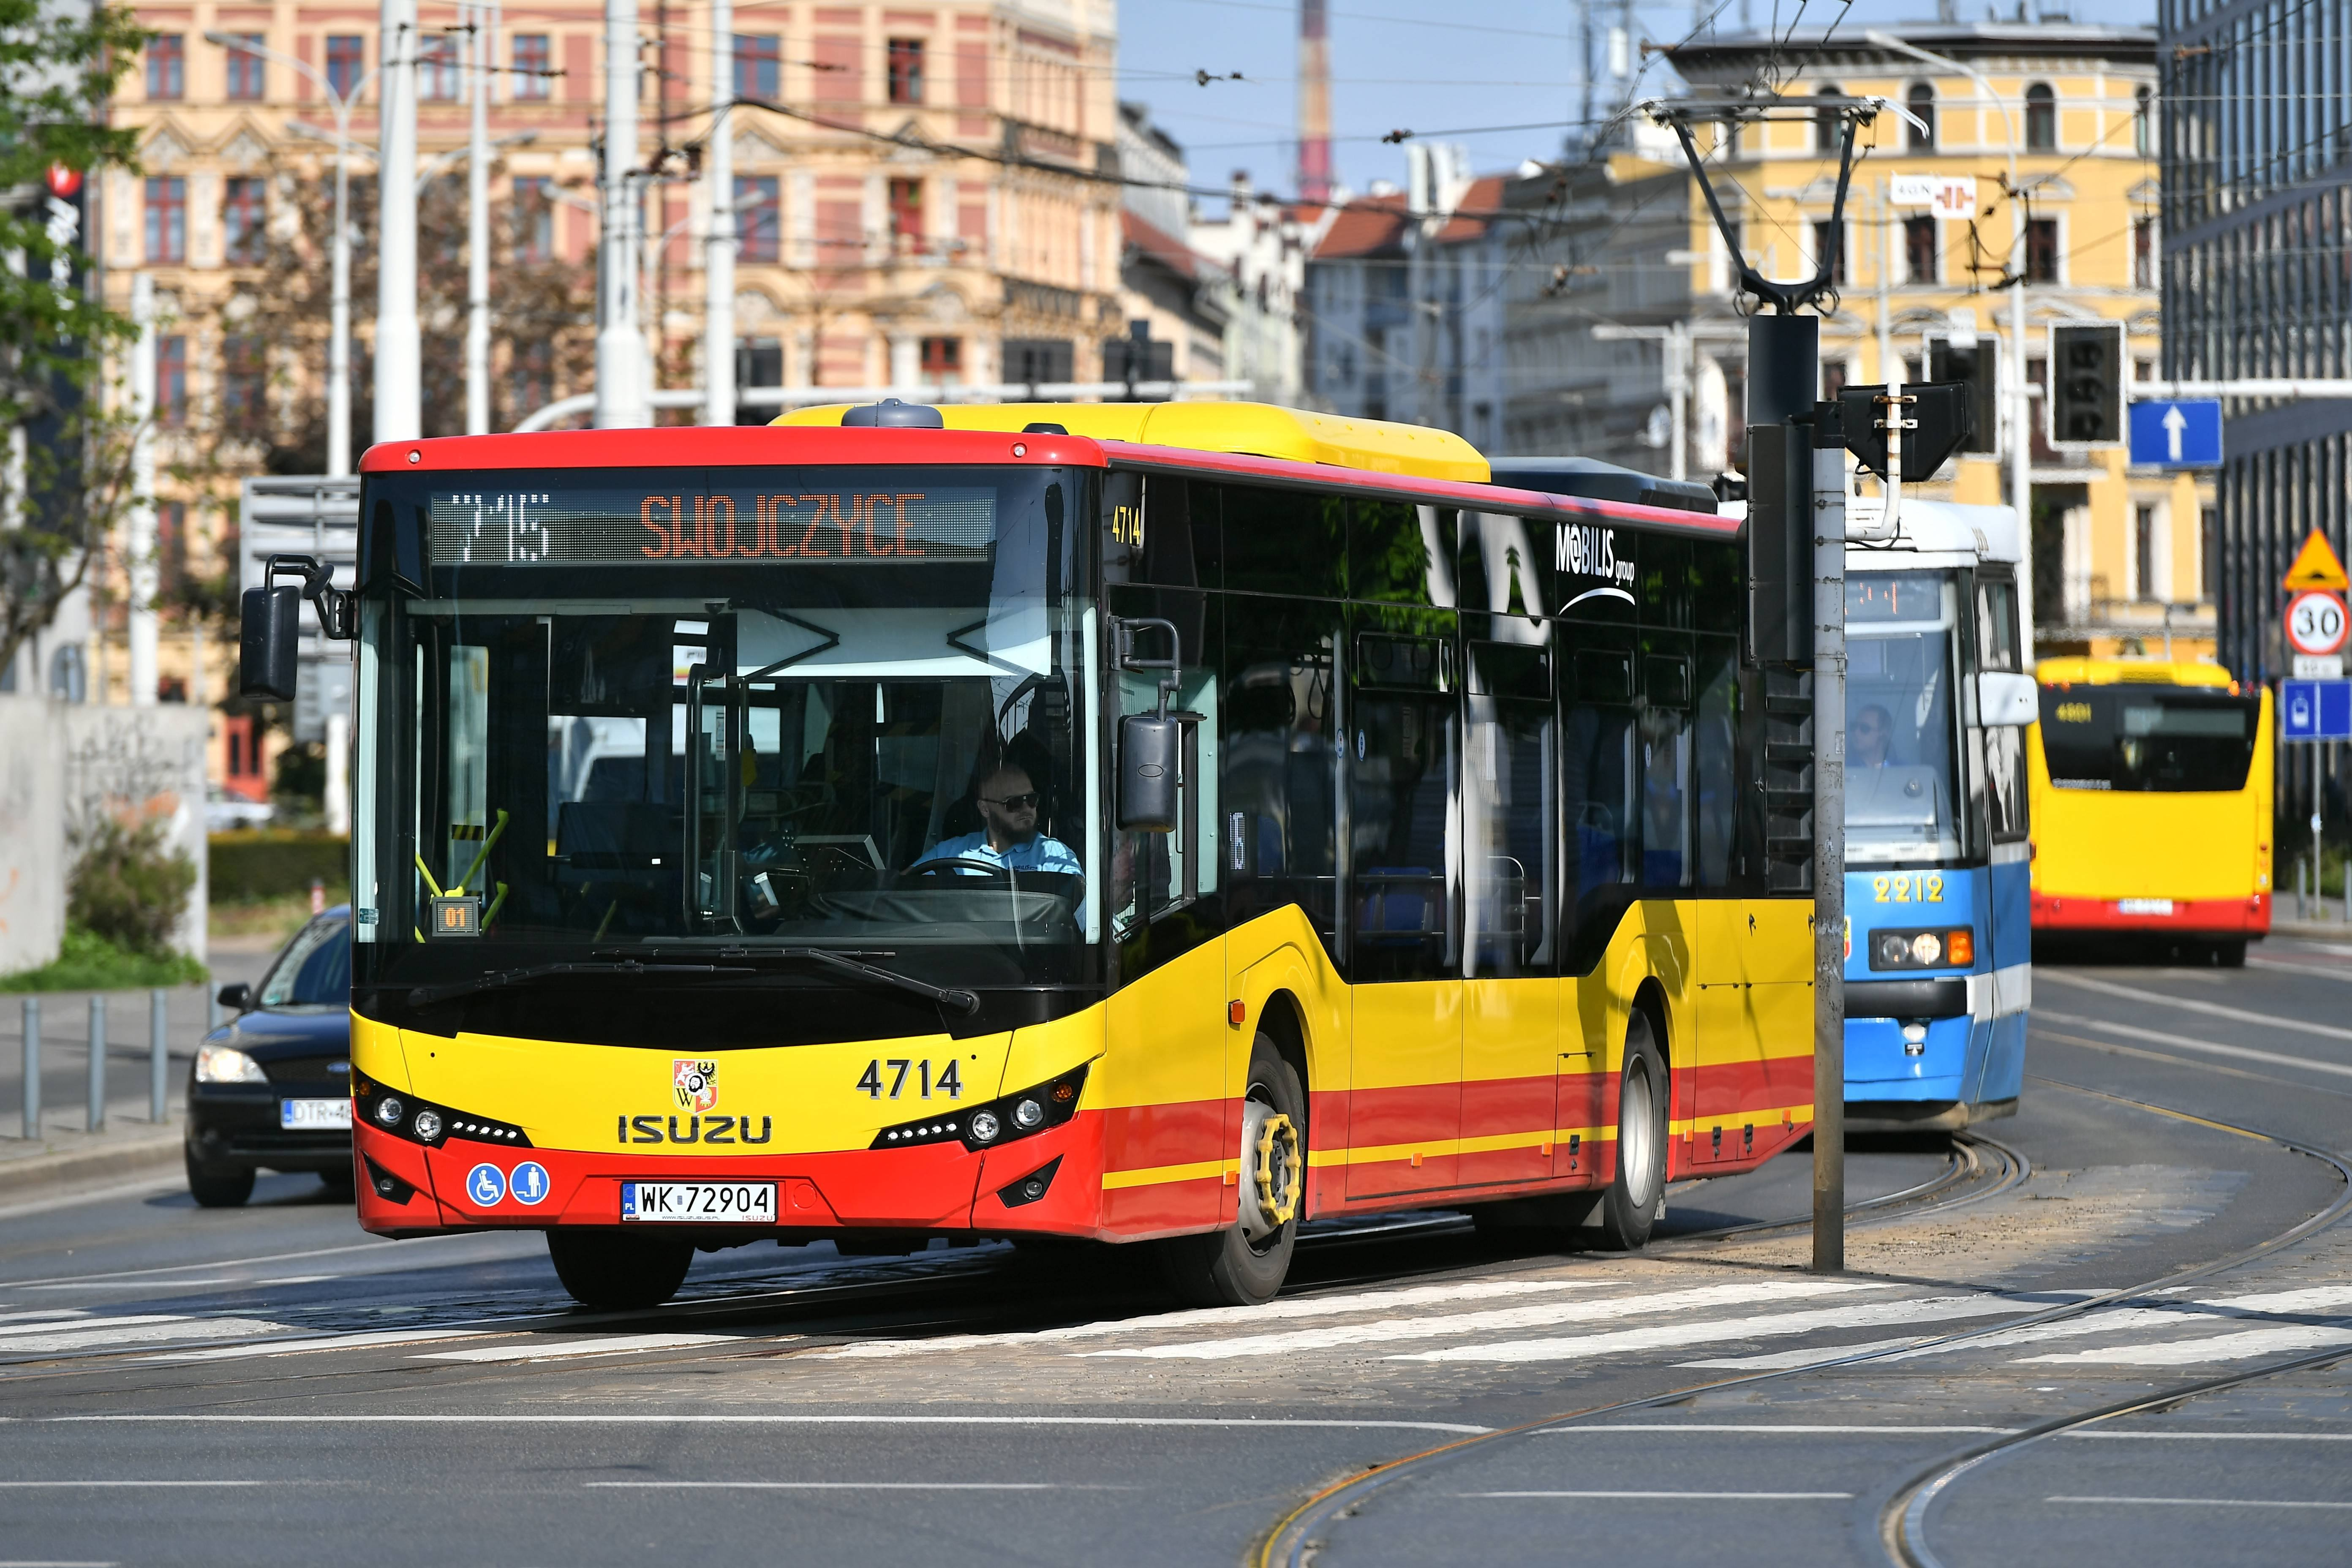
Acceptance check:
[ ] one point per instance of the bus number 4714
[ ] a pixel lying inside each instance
(947, 1080)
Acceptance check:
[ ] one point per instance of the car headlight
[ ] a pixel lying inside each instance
(227, 1064)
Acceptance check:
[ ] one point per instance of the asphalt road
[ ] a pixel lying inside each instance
(264, 1384)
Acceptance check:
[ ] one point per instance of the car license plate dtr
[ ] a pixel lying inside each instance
(699, 1203)
(314, 1115)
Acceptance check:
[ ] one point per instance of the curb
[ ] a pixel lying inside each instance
(53, 1175)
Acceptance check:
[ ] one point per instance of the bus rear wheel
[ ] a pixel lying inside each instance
(1629, 1208)
(2230, 952)
(616, 1271)
(1244, 1265)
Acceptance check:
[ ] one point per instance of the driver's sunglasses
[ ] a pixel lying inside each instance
(1013, 802)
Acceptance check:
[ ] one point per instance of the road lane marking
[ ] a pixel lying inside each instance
(618, 1345)
(1211, 1317)
(379, 1245)
(364, 1340)
(1784, 1428)
(857, 1485)
(1666, 1336)
(1782, 1361)
(2190, 1004)
(2110, 1049)
(2183, 1042)
(1683, 1497)
(25, 1486)
(2216, 1436)
(1390, 1330)
(2201, 1501)
(2190, 1353)
(2315, 970)
(651, 1419)
(101, 1335)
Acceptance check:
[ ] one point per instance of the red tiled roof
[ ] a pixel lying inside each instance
(1484, 196)
(1156, 242)
(1364, 227)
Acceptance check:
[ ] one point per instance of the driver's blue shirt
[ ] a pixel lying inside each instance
(1036, 853)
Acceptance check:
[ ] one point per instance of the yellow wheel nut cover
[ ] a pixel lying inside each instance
(1277, 1169)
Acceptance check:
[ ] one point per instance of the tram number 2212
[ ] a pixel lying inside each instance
(1908, 887)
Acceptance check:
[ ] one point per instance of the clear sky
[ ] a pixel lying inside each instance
(1428, 66)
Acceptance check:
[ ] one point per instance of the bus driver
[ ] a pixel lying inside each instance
(1009, 838)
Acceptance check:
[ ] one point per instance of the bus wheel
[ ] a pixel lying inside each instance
(1244, 1265)
(616, 1271)
(2231, 954)
(1630, 1207)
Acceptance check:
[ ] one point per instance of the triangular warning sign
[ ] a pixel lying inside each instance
(2315, 566)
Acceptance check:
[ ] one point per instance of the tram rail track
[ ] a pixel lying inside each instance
(1293, 1540)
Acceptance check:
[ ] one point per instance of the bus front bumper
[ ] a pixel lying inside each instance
(1047, 1184)
(2248, 916)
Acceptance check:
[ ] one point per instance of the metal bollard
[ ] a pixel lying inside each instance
(159, 1053)
(212, 1010)
(95, 1117)
(32, 1066)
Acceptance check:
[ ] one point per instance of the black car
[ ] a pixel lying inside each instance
(272, 1090)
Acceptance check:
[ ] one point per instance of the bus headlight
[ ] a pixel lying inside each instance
(388, 1109)
(1028, 1115)
(985, 1127)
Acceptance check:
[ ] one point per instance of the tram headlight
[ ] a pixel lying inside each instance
(1953, 947)
(1926, 948)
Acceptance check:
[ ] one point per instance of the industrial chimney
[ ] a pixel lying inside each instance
(1314, 103)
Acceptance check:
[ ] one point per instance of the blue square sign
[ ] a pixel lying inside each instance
(2183, 434)
(2315, 709)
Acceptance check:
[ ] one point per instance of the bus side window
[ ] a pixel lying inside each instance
(1717, 785)
(1402, 766)
(1156, 874)
(1278, 760)
(1666, 730)
(1597, 776)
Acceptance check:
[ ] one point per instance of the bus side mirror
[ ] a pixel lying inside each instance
(1148, 747)
(2006, 700)
(268, 642)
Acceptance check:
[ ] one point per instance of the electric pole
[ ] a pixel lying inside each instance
(718, 245)
(620, 342)
(480, 34)
(399, 392)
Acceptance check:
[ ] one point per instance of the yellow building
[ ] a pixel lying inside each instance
(2053, 126)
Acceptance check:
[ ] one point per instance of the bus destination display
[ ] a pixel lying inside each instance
(559, 526)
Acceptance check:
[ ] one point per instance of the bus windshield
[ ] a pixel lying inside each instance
(1900, 782)
(2164, 739)
(628, 711)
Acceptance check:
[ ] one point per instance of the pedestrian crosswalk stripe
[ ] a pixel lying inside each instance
(1782, 1361)
(361, 1340)
(1665, 1336)
(616, 1344)
(1549, 1314)
(106, 1335)
(2189, 1352)
(1212, 1317)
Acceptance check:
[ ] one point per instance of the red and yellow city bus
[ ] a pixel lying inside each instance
(1154, 824)
(2151, 796)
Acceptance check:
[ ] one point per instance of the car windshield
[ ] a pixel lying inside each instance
(633, 713)
(2161, 739)
(315, 970)
(1899, 777)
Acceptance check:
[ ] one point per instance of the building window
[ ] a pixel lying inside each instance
(531, 62)
(906, 70)
(2040, 117)
(346, 63)
(248, 77)
(1829, 244)
(436, 70)
(244, 386)
(757, 67)
(2208, 553)
(2042, 250)
(2144, 253)
(534, 219)
(167, 66)
(1032, 360)
(759, 361)
(170, 545)
(907, 215)
(2144, 552)
(2143, 122)
(170, 381)
(1827, 137)
(167, 218)
(1919, 250)
(241, 220)
(757, 227)
(943, 359)
(1921, 101)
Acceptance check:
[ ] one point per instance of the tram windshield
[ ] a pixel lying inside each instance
(1901, 783)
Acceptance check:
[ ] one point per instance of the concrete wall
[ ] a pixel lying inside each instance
(62, 765)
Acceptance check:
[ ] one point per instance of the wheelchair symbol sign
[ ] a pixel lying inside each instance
(486, 1185)
(529, 1183)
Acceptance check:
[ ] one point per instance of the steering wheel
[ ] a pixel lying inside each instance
(961, 865)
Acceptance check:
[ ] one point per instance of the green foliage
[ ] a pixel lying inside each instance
(272, 863)
(129, 887)
(302, 776)
(87, 961)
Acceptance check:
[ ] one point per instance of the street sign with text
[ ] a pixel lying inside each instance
(2315, 709)
(2179, 435)
(1947, 196)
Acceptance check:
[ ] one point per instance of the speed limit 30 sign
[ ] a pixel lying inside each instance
(2315, 622)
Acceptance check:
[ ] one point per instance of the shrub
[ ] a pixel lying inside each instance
(129, 887)
(252, 864)
(88, 961)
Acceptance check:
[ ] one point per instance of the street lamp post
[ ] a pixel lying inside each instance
(481, 32)
(1673, 339)
(399, 390)
(2021, 454)
(338, 332)
(620, 343)
(718, 245)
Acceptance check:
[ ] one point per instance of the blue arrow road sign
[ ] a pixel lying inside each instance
(2315, 709)
(2176, 435)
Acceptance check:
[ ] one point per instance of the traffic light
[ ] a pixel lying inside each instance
(1974, 366)
(2086, 393)
(1943, 413)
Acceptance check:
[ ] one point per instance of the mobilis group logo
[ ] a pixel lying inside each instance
(694, 1083)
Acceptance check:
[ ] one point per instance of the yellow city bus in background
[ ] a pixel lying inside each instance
(1163, 825)
(2152, 804)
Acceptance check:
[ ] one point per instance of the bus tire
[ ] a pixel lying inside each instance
(2231, 953)
(1629, 1205)
(1229, 1267)
(614, 1272)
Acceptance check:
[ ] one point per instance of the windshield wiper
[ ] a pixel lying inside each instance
(424, 995)
(962, 1001)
